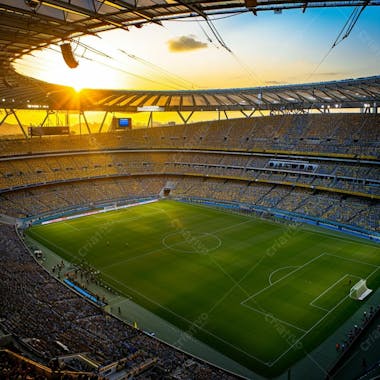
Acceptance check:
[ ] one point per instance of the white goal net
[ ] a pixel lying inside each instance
(360, 291)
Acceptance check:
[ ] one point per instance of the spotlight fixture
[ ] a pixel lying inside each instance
(68, 55)
(33, 4)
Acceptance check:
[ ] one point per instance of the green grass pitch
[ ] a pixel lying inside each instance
(266, 293)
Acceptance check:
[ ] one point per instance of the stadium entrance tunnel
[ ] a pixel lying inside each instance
(187, 241)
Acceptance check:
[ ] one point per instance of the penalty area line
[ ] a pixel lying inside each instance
(317, 323)
(282, 278)
(275, 318)
(328, 289)
(277, 270)
(308, 331)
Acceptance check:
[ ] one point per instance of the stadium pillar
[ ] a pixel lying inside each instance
(13, 112)
(85, 121)
(103, 121)
(150, 120)
(5, 116)
(185, 120)
(48, 113)
(250, 115)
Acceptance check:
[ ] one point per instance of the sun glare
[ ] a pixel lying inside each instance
(50, 67)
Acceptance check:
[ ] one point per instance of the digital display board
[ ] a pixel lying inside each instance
(48, 131)
(125, 122)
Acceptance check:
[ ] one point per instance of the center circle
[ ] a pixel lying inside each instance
(187, 241)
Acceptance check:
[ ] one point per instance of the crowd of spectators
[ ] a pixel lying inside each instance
(337, 207)
(102, 167)
(339, 174)
(352, 335)
(331, 206)
(13, 368)
(347, 134)
(53, 321)
(40, 200)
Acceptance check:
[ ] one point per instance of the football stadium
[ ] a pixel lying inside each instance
(189, 189)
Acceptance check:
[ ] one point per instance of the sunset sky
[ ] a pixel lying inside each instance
(268, 49)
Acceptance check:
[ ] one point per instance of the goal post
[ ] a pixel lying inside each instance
(360, 291)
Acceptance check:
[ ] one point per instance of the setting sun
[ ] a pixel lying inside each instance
(49, 66)
(184, 56)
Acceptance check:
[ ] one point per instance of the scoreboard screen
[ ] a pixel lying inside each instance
(125, 122)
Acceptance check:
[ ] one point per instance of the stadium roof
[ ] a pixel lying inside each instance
(26, 93)
(27, 25)
(344, 94)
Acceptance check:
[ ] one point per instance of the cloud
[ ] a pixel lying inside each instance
(185, 43)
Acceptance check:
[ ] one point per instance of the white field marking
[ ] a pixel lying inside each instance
(273, 317)
(277, 270)
(308, 331)
(122, 219)
(353, 260)
(319, 307)
(345, 236)
(230, 227)
(330, 287)
(269, 364)
(153, 251)
(155, 207)
(179, 316)
(372, 273)
(252, 217)
(71, 226)
(302, 226)
(107, 218)
(95, 216)
(221, 209)
(185, 319)
(162, 248)
(316, 324)
(282, 278)
(55, 245)
(198, 238)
